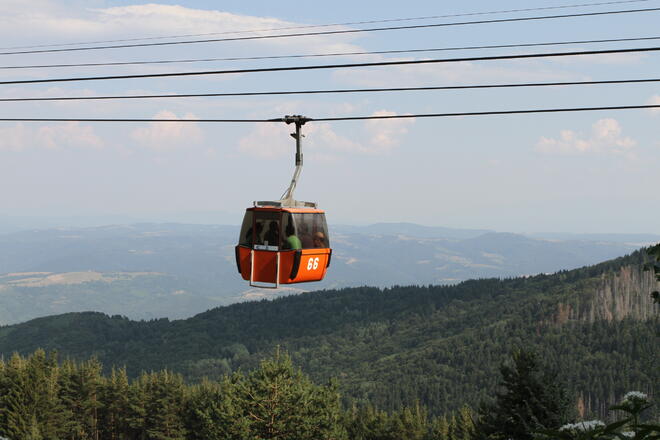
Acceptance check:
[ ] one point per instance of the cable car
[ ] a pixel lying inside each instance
(284, 241)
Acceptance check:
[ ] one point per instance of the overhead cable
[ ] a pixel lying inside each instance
(334, 66)
(488, 113)
(352, 23)
(336, 32)
(334, 54)
(334, 91)
(343, 118)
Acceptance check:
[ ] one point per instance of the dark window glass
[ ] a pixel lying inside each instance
(267, 229)
(312, 230)
(290, 238)
(245, 239)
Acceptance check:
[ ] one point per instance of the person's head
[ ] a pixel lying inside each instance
(272, 225)
(319, 239)
(290, 230)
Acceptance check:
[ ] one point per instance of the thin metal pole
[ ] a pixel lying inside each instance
(287, 197)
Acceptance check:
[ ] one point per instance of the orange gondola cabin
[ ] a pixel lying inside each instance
(284, 241)
(283, 245)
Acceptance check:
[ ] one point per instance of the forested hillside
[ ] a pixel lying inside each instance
(440, 345)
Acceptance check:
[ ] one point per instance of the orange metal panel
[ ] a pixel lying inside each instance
(244, 261)
(313, 265)
(265, 266)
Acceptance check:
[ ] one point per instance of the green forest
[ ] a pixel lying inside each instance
(413, 350)
(44, 399)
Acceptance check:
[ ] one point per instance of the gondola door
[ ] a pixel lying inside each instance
(264, 260)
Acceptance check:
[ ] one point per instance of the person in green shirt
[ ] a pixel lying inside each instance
(292, 240)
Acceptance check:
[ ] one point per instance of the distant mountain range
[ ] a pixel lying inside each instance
(173, 270)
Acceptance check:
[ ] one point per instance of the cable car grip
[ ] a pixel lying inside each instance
(299, 120)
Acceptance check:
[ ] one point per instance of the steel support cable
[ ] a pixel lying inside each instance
(334, 91)
(343, 31)
(335, 66)
(353, 23)
(344, 118)
(335, 54)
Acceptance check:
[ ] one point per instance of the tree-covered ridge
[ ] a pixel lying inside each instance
(440, 345)
(43, 399)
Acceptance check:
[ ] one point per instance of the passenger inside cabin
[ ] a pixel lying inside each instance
(305, 236)
(249, 238)
(291, 241)
(319, 240)
(272, 237)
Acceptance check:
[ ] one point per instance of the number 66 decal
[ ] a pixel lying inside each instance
(313, 263)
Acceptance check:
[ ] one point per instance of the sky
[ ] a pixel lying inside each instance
(563, 172)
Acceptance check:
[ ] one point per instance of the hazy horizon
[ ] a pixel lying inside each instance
(17, 223)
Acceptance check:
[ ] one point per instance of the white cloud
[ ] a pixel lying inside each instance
(52, 20)
(53, 137)
(163, 136)
(267, 141)
(606, 137)
(386, 134)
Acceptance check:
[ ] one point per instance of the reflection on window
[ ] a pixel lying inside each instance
(290, 238)
(287, 231)
(312, 230)
(246, 238)
(261, 229)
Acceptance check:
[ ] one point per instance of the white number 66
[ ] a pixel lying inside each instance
(313, 263)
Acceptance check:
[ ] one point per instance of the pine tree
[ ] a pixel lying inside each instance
(367, 423)
(439, 429)
(277, 401)
(164, 406)
(30, 406)
(136, 412)
(212, 412)
(81, 386)
(17, 412)
(114, 413)
(532, 399)
(409, 424)
(452, 429)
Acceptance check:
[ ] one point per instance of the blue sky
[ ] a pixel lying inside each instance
(586, 172)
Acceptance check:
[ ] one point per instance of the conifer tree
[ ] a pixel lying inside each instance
(277, 401)
(453, 430)
(81, 386)
(164, 406)
(531, 399)
(114, 413)
(212, 412)
(464, 424)
(439, 429)
(409, 424)
(136, 412)
(30, 406)
(19, 420)
(368, 423)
